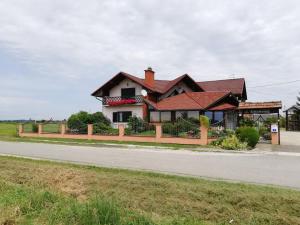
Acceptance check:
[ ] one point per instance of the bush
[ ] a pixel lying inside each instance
(233, 143)
(247, 123)
(249, 135)
(35, 128)
(101, 128)
(79, 121)
(182, 128)
(270, 120)
(204, 121)
(137, 125)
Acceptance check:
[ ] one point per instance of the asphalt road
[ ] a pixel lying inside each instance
(281, 169)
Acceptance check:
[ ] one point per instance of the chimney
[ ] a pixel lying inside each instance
(149, 76)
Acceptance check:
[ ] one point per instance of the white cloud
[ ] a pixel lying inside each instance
(89, 40)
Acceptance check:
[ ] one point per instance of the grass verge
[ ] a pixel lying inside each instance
(8, 132)
(68, 141)
(42, 192)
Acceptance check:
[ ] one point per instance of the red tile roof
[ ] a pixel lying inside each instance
(189, 101)
(260, 105)
(236, 86)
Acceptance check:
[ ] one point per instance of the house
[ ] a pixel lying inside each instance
(292, 116)
(158, 100)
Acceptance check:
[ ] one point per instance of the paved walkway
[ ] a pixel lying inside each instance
(265, 168)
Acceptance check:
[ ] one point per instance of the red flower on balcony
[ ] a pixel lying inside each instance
(112, 102)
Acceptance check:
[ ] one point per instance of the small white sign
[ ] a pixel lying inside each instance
(274, 128)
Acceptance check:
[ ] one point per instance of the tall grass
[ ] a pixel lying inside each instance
(30, 206)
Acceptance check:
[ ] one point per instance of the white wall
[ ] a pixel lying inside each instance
(137, 110)
(126, 83)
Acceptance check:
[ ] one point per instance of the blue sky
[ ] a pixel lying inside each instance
(53, 54)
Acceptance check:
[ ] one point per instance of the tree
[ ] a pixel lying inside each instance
(80, 120)
(298, 100)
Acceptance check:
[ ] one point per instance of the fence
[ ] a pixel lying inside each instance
(52, 128)
(30, 127)
(181, 128)
(102, 129)
(217, 130)
(137, 127)
(120, 136)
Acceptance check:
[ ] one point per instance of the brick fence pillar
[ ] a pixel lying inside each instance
(63, 129)
(158, 131)
(90, 131)
(204, 135)
(21, 128)
(40, 128)
(121, 130)
(274, 134)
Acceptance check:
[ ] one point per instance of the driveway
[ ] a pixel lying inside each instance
(290, 138)
(265, 168)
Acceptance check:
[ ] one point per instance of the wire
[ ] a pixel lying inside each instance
(281, 83)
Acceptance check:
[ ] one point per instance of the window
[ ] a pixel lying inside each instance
(127, 93)
(121, 116)
(154, 116)
(214, 117)
(209, 114)
(181, 114)
(165, 116)
(218, 116)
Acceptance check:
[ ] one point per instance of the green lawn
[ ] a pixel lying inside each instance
(8, 129)
(51, 128)
(41, 192)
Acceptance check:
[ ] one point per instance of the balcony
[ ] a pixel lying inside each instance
(117, 101)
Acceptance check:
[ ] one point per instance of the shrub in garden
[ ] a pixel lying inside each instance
(182, 127)
(204, 121)
(233, 143)
(265, 133)
(137, 125)
(169, 128)
(270, 120)
(79, 121)
(249, 135)
(247, 123)
(102, 128)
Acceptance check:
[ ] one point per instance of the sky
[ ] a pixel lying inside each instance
(55, 53)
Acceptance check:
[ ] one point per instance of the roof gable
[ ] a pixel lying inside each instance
(160, 86)
(100, 92)
(235, 86)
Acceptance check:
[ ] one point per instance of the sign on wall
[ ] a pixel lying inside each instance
(274, 128)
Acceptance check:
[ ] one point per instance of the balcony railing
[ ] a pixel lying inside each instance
(116, 101)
